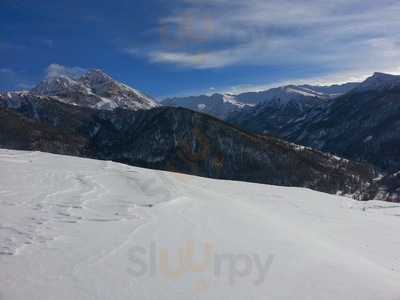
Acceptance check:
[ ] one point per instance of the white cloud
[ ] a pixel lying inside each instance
(198, 61)
(341, 35)
(55, 70)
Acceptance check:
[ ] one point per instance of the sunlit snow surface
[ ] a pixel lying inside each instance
(75, 228)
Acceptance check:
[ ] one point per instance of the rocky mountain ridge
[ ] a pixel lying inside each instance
(224, 106)
(94, 89)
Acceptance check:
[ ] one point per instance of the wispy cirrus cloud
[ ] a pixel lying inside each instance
(204, 60)
(341, 35)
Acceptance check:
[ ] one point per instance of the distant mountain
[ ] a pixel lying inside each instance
(334, 90)
(173, 139)
(379, 82)
(94, 89)
(226, 106)
(217, 105)
(279, 107)
(284, 105)
(362, 124)
(288, 93)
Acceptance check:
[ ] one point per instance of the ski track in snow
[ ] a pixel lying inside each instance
(67, 226)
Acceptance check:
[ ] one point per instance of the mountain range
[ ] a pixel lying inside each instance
(224, 105)
(362, 124)
(174, 139)
(95, 116)
(217, 105)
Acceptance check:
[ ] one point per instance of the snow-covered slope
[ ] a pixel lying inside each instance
(75, 228)
(95, 89)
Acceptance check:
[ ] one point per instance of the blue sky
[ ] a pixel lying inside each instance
(182, 47)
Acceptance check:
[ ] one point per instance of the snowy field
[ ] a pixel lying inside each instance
(74, 228)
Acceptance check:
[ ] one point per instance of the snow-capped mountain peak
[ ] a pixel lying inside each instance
(97, 73)
(289, 94)
(95, 89)
(55, 85)
(94, 77)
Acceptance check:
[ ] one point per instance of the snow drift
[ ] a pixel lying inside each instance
(74, 228)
